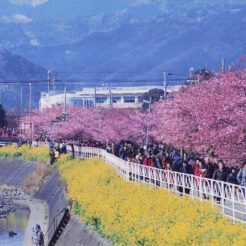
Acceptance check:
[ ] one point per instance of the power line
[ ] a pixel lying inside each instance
(86, 81)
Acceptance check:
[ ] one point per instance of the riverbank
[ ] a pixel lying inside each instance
(13, 173)
(75, 233)
(9, 198)
(12, 198)
(46, 206)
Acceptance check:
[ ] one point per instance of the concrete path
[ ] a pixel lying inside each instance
(38, 215)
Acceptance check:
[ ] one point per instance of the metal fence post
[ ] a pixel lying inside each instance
(200, 187)
(127, 171)
(212, 191)
(175, 182)
(192, 187)
(223, 197)
(155, 176)
(233, 203)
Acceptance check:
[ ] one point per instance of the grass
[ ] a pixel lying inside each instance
(38, 178)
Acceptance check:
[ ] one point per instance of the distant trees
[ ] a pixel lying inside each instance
(3, 121)
(203, 74)
(155, 95)
(199, 75)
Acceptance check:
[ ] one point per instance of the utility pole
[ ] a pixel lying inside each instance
(148, 118)
(191, 71)
(165, 83)
(53, 83)
(30, 109)
(48, 81)
(30, 99)
(65, 104)
(21, 100)
(223, 65)
(95, 95)
(109, 88)
(110, 95)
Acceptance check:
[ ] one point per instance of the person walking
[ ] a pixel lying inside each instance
(241, 178)
(148, 161)
(166, 159)
(220, 175)
(185, 169)
(37, 236)
(232, 177)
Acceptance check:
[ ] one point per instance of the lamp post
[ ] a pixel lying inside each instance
(147, 130)
(48, 82)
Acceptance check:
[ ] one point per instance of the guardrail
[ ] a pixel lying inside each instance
(229, 197)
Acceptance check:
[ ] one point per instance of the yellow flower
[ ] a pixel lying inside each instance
(130, 214)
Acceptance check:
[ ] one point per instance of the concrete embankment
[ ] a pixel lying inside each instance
(75, 233)
(80, 235)
(14, 172)
(46, 204)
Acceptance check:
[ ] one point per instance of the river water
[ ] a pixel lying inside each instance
(16, 222)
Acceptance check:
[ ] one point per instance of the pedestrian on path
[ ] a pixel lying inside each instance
(220, 175)
(37, 236)
(241, 178)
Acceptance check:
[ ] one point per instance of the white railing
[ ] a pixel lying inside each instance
(231, 197)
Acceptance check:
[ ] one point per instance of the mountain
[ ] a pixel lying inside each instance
(117, 40)
(140, 46)
(17, 68)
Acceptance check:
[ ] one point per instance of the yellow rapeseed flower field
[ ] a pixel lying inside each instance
(25, 152)
(130, 214)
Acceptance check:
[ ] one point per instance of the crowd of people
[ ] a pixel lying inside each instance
(167, 157)
(9, 133)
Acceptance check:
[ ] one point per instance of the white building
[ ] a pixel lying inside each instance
(123, 97)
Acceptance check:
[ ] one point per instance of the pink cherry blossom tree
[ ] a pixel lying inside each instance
(40, 122)
(207, 118)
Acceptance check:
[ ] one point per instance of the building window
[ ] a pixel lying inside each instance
(101, 99)
(116, 99)
(129, 99)
(140, 99)
(87, 103)
(76, 102)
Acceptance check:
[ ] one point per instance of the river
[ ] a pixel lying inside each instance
(16, 222)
